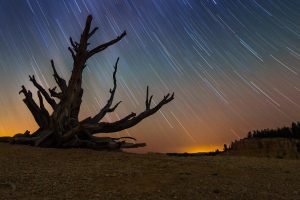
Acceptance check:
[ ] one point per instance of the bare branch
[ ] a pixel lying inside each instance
(148, 101)
(121, 138)
(60, 81)
(74, 44)
(128, 121)
(41, 100)
(43, 91)
(85, 34)
(33, 107)
(107, 108)
(24, 91)
(112, 109)
(42, 107)
(131, 115)
(53, 93)
(93, 32)
(105, 45)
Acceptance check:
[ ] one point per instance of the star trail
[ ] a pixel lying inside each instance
(233, 65)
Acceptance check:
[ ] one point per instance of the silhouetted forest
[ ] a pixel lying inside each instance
(284, 132)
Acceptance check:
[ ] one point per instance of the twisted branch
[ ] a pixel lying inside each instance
(107, 108)
(53, 93)
(35, 110)
(130, 120)
(105, 45)
(60, 81)
(43, 91)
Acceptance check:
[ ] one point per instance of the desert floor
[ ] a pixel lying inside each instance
(36, 173)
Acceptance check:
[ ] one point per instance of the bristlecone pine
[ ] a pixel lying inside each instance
(62, 128)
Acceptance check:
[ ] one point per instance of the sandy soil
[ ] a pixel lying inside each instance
(35, 173)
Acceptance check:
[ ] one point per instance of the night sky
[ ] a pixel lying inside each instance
(233, 64)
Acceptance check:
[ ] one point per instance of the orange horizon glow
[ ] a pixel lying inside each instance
(197, 149)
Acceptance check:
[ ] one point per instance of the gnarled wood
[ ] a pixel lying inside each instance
(43, 91)
(62, 128)
(130, 120)
(60, 81)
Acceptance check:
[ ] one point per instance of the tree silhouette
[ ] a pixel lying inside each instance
(284, 132)
(62, 127)
(225, 148)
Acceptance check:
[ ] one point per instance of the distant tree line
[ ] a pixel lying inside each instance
(284, 132)
(292, 132)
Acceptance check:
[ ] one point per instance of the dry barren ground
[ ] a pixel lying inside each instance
(34, 173)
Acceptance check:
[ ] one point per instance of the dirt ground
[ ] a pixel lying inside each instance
(35, 173)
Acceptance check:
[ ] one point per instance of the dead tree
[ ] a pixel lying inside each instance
(62, 127)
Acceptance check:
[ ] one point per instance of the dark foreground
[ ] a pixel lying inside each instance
(34, 173)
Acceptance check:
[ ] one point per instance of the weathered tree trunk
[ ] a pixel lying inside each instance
(62, 128)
